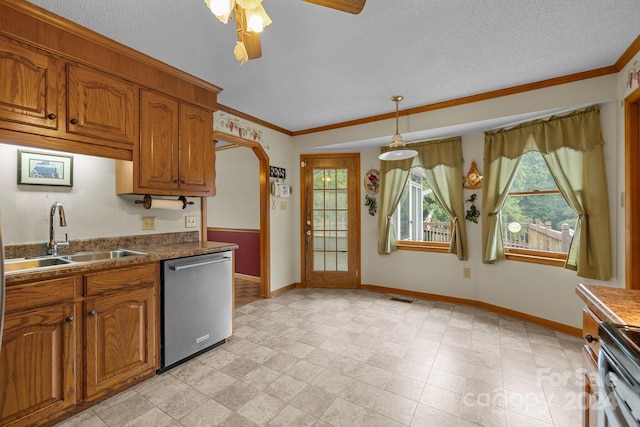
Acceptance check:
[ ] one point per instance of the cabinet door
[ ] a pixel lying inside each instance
(120, 339)
(157, 154)
(197, 169)
(29, 82)
(100, 105)
(37, 376)
(591, 390)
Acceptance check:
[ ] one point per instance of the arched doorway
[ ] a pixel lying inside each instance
(263, 159)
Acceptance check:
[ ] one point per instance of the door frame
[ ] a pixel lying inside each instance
(303, 270)
(632, 189)
(265, 237)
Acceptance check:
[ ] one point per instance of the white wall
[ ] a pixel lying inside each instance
(237, 200)
(92, 207)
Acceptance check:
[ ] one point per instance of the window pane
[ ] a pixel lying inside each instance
(541, 222)
(330, 200)
(342, 241)
(330, 261)
(318, 241)
(342, 218)
(420, 216)
(330, 220)
(330, 178)
(318, 178)
(318, 220)
(341, 178)
(331, 242)
(318, 199)
(341, 202)
(343, 261)
(318, 261)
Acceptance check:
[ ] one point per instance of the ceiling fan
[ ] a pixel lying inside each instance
(251, 18)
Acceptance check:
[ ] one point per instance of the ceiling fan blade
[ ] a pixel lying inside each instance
(250, 39)
(349, 6)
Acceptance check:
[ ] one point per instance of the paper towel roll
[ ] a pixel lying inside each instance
(175, 205)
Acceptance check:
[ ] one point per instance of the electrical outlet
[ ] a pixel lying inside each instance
(283, 206)
(466, 272)
(190, 221)
(148, 222)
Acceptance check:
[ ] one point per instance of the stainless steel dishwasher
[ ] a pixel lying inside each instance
(196, 305)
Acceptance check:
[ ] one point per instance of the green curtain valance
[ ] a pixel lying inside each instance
(447, 152)
(579, 130)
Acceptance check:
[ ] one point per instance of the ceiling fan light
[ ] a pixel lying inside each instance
(257, 19)
(221, 9)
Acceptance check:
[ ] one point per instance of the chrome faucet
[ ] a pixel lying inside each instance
(53, 245)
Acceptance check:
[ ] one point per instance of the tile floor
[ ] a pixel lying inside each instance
(357, 358)
(246, 291)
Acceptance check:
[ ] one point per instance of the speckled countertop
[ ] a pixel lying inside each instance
(621, 306)
(156, 248)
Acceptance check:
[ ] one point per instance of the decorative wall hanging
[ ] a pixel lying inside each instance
(372, 181)
(473, 179)
(372, 204)
(472, 213)
(45, 169)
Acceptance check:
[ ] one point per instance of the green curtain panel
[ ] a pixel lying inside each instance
(573, 149)
(442, 160)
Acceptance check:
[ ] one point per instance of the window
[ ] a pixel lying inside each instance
(536, 219)
(419, 220)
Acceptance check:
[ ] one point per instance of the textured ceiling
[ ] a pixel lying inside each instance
(320, 66)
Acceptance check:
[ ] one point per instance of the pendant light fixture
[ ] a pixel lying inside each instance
(397, 149)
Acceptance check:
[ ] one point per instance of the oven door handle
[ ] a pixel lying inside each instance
(197, 264)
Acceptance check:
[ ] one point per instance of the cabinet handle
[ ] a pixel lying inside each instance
(69, 319)
(52, 116)
(73, 121)
(175, 180)
(590, 338)
(92, 313)
(184, 181)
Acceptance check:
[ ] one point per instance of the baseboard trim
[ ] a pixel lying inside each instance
(247, 277)
(286, 288)
(560, 327)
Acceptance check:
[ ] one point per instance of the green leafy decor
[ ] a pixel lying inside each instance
(472, 213)
(373, 205)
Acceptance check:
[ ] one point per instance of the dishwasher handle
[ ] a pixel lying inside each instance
(197, 264)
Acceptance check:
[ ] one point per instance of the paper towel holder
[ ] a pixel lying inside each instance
(147, 200)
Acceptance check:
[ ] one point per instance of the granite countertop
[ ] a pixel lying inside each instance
(615, 305)
(154, 252)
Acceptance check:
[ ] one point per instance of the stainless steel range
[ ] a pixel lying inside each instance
(619, 370)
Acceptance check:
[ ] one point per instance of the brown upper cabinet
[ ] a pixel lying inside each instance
(29, 99)
(64, 87)
(101, 106)
(175, 155)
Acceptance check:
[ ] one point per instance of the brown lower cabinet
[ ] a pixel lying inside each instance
(55, 359)
(590, 323)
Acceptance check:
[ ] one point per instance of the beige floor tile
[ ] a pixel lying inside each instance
(428, 416)
(160, 388)
(405, 386)
(124, 411)
(285, 388)
(210, 413)
(313, 400)
(342, 413)
(86, 418)
(155, 417)
(361, 394)
(291, 416)
(395, 407)
(441, 399)
(261, 409)
(183, 403)
(236, 395)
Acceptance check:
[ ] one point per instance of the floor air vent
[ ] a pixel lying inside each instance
(408, 301)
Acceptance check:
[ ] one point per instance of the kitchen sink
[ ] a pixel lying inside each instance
(33, 263)
(101, 255)
(48, 262)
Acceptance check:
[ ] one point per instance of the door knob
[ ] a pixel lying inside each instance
(308, 232)
(73, 121)
(308, 222)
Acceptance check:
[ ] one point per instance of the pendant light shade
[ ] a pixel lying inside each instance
(397, 149)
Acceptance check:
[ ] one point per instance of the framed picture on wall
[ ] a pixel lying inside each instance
(44, 169)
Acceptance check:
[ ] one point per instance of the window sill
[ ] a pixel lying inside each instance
(537, 257)
(442, 248)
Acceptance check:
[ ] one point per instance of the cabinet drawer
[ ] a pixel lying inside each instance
(114, 280)
(39, 294)
(590, 324)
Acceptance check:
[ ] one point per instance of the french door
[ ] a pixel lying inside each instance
(330, 229)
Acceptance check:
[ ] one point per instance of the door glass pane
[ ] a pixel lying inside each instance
(318, 241)
(330, 214)
(318, 261)
(341, 202)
